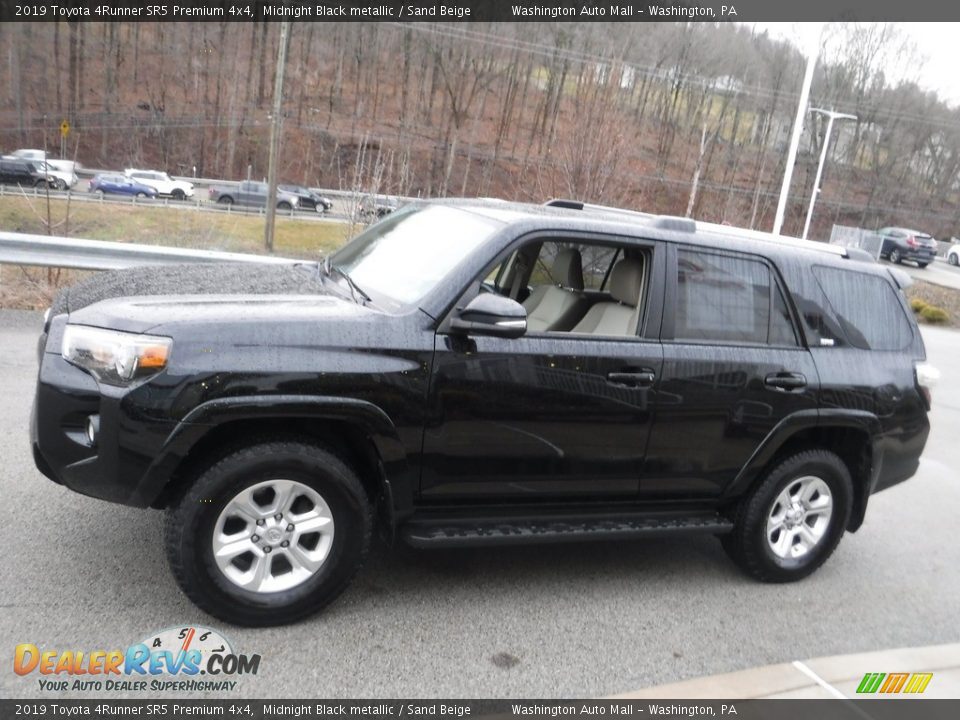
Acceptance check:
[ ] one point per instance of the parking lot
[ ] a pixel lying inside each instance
(938, 272)
(583, 620)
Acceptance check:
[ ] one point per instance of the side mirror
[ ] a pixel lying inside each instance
(489, 314)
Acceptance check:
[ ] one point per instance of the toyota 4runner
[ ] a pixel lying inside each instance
(481, 373)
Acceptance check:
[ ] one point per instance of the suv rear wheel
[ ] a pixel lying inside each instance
(269, 534)
(793, 520)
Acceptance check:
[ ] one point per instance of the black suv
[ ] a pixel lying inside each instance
(482, 373)
(27, 173)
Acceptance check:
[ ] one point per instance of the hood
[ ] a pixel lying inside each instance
(234, 283)
(239, 318)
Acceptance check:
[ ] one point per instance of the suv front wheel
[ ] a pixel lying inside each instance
(269, 534)
(793, 520)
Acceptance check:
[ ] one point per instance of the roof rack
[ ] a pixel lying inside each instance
(679, 224)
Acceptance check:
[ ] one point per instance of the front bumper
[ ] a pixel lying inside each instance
(113, 468)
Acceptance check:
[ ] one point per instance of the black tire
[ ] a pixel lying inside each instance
(225, 200)
(178, 194)
(191, 523)
(895, 256)
(953, 259)
(141, 194)
(284, 206)
(922, 265)
(747, 544)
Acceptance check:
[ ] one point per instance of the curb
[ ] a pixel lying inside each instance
(833, 677)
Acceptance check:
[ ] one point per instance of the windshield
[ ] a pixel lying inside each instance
(405, 256)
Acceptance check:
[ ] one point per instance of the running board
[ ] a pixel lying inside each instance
(451, 533)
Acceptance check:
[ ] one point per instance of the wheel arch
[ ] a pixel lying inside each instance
(359, 432)
(846, 433)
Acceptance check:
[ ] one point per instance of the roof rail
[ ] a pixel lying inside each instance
(578, 205)
(791, 241)
(678, 224)
(672, 222)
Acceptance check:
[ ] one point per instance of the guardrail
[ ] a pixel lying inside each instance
(195, 204)
(81, 254)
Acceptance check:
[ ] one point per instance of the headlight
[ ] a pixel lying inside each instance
(114, 357)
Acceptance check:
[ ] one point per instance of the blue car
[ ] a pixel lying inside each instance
(120, 185)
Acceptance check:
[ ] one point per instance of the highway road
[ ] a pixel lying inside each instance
(567, 621)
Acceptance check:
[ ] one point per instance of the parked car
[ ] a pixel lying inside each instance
(26, 173)
(113, 184)
(468, 373)
(65, 166)
(953, 254)
(308, 198)
(162, 183)
(374, 207)
(252, 194)
(901, 244)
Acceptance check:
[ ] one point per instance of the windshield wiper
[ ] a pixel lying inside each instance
(355, 290)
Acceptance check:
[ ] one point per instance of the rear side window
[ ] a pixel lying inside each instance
(727, 298)
(867, 308)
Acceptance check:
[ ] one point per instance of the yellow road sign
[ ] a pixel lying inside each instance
(64, 128)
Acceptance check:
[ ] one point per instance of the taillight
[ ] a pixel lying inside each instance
(927, 376)
(912, 241)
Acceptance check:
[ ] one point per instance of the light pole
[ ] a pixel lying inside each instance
(812, 51)
(276, 120)
(831, 116)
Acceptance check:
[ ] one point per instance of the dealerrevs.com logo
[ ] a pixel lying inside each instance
(185, 659)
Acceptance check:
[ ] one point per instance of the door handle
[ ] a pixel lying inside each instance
(785, 381)
(631, 379)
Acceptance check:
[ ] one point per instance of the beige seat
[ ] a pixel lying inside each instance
(558, 307)
(619, 317)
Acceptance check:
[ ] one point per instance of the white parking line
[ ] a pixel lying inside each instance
(802, 667)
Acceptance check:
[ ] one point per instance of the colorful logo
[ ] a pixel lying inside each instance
(185, 652)
(913, 683)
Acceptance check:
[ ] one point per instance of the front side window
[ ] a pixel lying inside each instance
(404, 257)
(575, 287)
(727, 298)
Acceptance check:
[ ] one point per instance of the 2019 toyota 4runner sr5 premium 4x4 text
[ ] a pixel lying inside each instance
(481, 373)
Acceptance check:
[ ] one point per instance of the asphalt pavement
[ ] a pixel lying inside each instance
(556, 621)
(938, 272)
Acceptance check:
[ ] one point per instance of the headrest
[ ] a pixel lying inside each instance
(567, 270)
(626, 279)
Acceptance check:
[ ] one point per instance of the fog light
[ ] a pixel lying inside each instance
(93, 428)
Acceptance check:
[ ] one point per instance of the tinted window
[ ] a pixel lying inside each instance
(867, 308)
(728, 299)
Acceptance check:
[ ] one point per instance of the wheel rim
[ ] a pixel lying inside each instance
(273, 536)
(895, 256)
(799, 518)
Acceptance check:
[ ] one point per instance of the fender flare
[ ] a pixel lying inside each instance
(371, 419)
(802, 420)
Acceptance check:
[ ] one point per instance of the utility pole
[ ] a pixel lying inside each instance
(831, 116)
(276, 125)
(812, 53)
